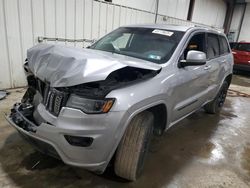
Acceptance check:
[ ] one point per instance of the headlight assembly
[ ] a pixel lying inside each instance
(90, 106)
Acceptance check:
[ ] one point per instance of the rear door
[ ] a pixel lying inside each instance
(215, 62)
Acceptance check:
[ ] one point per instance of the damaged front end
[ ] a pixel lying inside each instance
(88, 97)
(84, 94)
(22, 116)
(60, 76)
(55, 115)
(117, 79)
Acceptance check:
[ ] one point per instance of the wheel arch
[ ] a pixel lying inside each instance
(160, 118)
(160, 112)
(228, 78)
(155, 108)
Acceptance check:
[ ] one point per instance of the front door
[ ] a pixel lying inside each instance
(191, 91)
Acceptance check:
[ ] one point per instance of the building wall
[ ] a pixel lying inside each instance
(173, 8)
(245, 28)
(23, 21)
(147, 5)
(240, 32)
(210, 12)
(237, 14)
(236, 19)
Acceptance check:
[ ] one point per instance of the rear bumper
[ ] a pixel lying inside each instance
(243, 67)
(50, 139)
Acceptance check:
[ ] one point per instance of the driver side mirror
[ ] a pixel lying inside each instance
(194, 58)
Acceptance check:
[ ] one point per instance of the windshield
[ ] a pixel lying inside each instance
(155, 45)
(243, 47)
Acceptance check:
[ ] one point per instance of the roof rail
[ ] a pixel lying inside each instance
(208, 27)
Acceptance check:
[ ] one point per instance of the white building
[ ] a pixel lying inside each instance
(240, 25)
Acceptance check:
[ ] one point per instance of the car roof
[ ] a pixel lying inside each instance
(174, 27)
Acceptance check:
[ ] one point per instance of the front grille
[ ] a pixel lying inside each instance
(53, 99)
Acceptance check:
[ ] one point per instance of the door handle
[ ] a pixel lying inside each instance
(207, 67)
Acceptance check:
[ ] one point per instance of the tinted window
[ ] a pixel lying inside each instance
(213, 49)
(155, 45)
(224, 48)
(243, 47)
(197, 42)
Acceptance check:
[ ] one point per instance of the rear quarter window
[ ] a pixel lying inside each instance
(224, 48)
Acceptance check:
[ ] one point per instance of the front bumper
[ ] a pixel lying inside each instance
(49, 136)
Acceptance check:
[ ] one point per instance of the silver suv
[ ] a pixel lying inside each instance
(86, 106)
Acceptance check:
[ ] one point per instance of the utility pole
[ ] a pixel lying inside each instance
(156, 9)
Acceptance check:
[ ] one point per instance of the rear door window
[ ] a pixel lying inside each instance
(224, 48)
(213, 47)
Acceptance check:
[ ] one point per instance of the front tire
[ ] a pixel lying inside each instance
(215, 106)
(134, 145)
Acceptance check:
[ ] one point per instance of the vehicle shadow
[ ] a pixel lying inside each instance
(168, 155)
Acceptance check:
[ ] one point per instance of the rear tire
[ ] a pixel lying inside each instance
(134, 145)
(215, 106)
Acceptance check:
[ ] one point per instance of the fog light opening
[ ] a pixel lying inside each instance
(79, 141)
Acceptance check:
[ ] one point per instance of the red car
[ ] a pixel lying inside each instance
(241, 52)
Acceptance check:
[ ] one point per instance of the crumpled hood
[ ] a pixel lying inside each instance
(64, 66)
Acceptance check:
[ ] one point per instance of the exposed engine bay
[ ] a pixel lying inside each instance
(116, 79)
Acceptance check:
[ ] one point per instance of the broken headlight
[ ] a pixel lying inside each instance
(90, 106)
